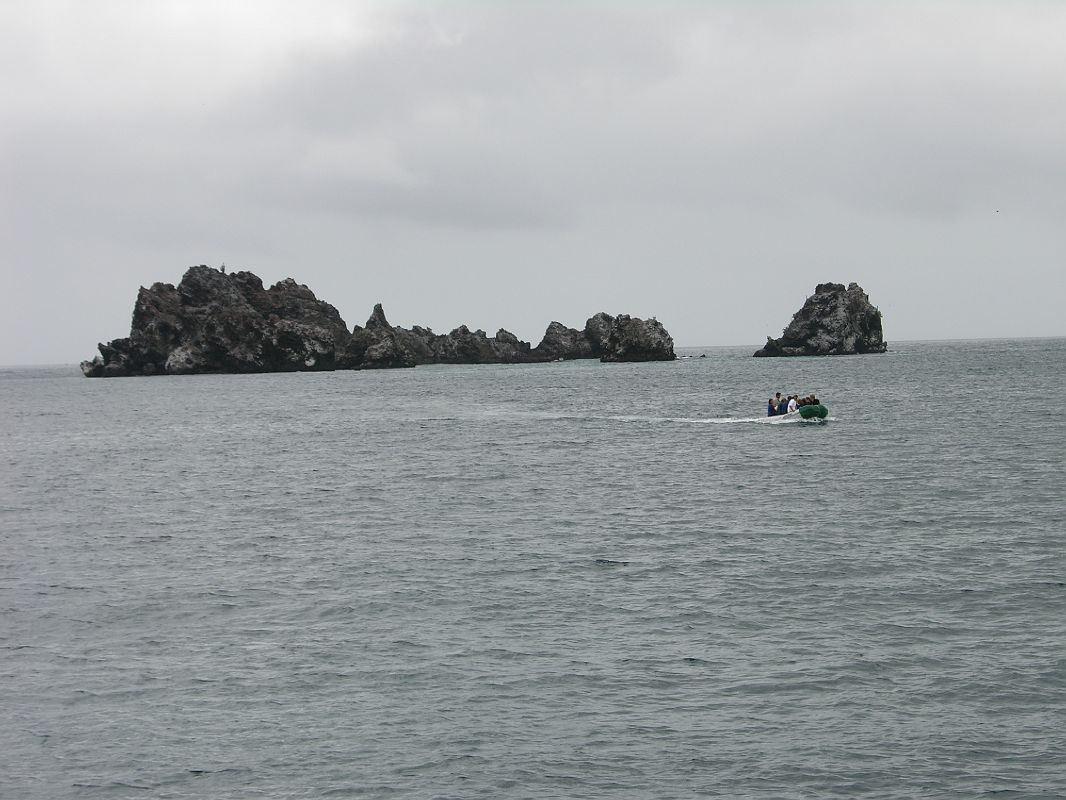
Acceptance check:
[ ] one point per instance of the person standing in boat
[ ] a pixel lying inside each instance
(771, 409)
(792, 404)
(782, 404)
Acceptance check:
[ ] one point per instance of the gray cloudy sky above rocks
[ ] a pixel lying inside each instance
(507, 164)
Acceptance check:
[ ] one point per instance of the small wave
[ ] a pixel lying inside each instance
(406, 643)
(112, 785)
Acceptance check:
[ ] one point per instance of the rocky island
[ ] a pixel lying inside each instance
(833, 321)
(213, 322)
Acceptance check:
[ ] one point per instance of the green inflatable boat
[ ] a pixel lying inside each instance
(816, 411)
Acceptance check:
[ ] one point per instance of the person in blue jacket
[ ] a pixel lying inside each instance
(771, 409)
(782, 405)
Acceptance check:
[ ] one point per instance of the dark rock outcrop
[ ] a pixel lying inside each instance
(464, 346)
(376, 346)
(510, 349)
(561, 342)
(833, 321)
(598, 332)
(631, 339)
(212, 322)
(621, 338)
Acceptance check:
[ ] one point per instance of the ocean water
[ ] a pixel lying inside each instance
(569, 580)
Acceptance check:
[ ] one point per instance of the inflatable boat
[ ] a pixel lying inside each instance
(816, 411)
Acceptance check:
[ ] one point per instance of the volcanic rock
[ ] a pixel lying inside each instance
(214, 322)
(217, 323)
(621, 338)
(376, 346)
(632, 339)
(598, 332)
(833, 321)
(560, 342)
(510, 349)
(463, 346)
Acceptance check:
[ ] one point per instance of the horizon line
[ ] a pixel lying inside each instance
(678, 346)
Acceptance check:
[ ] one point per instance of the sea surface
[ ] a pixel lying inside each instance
(567, 580)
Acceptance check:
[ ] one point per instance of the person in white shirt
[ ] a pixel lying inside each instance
(792, 406)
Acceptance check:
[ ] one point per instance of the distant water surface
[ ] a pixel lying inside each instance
(574, 580)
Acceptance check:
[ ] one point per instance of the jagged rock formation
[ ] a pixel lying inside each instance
(214, 322)
(377, 346)
(631, 339)
(463, 346)
(608, 338)
(561, 342)
(621, 338)
(833, 321)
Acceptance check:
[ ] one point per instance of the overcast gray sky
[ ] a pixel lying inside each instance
(508, 164)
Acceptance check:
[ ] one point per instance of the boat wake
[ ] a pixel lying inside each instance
(791, 419)
(647, 419)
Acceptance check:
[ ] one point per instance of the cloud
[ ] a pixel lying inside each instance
(481, 115)
(581, 144)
